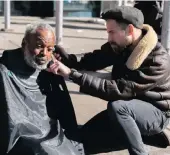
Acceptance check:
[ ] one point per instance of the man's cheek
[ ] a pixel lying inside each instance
(34, 52)
(49, 55)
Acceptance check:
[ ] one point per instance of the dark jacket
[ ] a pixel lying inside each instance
(143, 73)
(33, 115)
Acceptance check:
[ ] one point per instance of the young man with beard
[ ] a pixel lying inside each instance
(32, 118)
(139, 93)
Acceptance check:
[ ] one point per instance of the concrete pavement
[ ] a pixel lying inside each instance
(80, 35)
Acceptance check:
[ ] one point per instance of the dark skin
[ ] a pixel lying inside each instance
(41, 45)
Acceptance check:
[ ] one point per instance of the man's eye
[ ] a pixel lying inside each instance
(111, 32)
(38, 46)
(50, 49)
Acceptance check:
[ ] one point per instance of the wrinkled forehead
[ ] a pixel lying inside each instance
(42, 35)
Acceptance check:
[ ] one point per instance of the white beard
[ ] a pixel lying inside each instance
(30, 60)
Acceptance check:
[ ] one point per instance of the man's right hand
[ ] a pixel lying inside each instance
(59, 68)
(61, 55)
(59, 51)
(57, 56)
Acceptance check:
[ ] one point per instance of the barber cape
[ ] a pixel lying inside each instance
(35, 110)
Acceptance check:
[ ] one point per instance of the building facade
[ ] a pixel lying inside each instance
(78, 8)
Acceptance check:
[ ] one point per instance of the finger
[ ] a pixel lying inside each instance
(57, 55)
(54, 70)
(54, 63)
(54, 67)
(48, 70)
(59, 59)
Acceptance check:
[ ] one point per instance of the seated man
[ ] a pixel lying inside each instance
(33, 101)
(139, 93)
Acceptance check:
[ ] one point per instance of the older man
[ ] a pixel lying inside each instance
(139, 93)
(33, 102)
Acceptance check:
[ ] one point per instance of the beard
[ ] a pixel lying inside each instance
(31, 60)
(117, 47)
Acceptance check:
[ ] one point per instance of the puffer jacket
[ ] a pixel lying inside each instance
(143, 73)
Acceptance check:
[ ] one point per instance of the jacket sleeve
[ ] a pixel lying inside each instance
(108, 90)
(132, 85)
(96, 60)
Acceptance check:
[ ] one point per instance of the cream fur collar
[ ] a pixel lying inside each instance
(143, 49)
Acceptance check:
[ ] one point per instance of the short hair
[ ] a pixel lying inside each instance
(32, 28)
(123, 25)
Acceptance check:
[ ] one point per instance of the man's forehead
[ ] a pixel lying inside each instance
(112, 25)
(44, 35)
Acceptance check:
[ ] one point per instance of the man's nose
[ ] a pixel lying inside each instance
(109, 39)
(44, 51)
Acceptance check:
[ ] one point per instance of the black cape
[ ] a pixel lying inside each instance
(34, 118)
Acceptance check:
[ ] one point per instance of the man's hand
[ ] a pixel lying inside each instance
(57, 56)
(59, 68)
(59, 51)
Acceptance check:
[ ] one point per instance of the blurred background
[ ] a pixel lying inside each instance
(71, 8)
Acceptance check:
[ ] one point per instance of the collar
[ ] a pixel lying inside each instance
(143, 49)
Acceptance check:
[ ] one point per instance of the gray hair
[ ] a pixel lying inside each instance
(32, 28)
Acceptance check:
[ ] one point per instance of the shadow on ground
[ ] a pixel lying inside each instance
(100, 135)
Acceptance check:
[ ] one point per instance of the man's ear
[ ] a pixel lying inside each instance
(130, 30)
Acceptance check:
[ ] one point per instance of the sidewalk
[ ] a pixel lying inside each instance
(80, 35)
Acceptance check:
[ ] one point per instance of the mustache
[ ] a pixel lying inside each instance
(114, 45)
(41, 58)
(117, 47)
